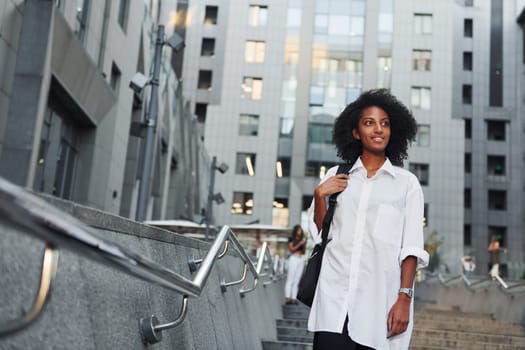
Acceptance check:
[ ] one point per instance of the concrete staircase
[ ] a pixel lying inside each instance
(444, 328)
(436, 328)
(292, 331)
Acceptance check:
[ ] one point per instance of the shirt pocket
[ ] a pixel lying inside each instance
(388, 225)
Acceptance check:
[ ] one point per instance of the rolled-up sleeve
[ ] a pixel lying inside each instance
(312, 227)
(412, 244)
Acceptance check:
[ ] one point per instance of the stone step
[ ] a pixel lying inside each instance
(454, 313)
(285, 345)
(480, 337)
(485, 325)
(423, 347)
(294, 339)
(296, 312)
(292, 323)
(299, 334)
(436, 328)
(436, 343)
(491, 328)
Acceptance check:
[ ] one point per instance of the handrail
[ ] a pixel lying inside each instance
(59, 229)
(501, 281)
(264, 255)
(49, 267)
(502, 284)
(446, 282)
(192, 262)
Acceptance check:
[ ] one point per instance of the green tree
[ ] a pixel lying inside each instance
(431, 245)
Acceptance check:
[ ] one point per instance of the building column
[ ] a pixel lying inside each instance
(29, 94)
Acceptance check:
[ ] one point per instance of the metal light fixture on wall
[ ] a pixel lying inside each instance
(137, 83)
(217, 197)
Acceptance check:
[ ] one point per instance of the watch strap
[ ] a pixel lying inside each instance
(407, 291)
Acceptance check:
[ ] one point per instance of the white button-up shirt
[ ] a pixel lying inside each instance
(377, 223)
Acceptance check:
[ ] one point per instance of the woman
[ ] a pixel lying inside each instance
(297, 247)
(364, 296)
(494, 249)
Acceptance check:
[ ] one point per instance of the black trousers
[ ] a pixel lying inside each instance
(336, 341)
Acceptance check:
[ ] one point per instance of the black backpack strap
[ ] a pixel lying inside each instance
(332, 200)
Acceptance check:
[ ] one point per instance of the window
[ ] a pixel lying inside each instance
(320, 133)
(468, 129)
(114, 80)
(421, 97)
(123, 13)
(205, 77)
(384, 67)
(286, 127)
(496, 130)
(496, 165)
(421, 60)
(423, 135)
(425, 214)
(210, 15)
(467, 235)
(497, 200)
(248, 124)
(421, 172)
(242, 203)
(317, 168)
(200, 111)
(254, 51)
(257, 15)
(316, 96)
(467, 61)
(208, 47)
(352, 94)
(57, 157)
(245, 164)
(467, 28)
(467, 94)
(81, 19)
(307, 201)
(293, 19)
(252, 88)
(468, 163)
(282, 167)
(422, 23)
(500, 232)
(338, 25)
(467, 198)
(280, 212)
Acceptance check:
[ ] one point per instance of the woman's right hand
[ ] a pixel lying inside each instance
(334, 184)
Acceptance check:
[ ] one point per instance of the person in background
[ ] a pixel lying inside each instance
(297, 248)
(364, 295)
(494, 249)
(468, 265)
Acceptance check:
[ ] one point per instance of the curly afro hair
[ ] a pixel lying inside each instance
(403, 126)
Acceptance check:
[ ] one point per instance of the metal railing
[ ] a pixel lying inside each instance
(61, 230)
(504, 287)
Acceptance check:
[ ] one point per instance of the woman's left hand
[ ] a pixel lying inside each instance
(399, 316)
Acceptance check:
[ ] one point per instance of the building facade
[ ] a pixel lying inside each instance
(267, 79)
(71, 126)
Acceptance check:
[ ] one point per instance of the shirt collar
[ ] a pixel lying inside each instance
(386, 167)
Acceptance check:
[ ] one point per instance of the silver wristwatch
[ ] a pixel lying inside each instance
(407, 291)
